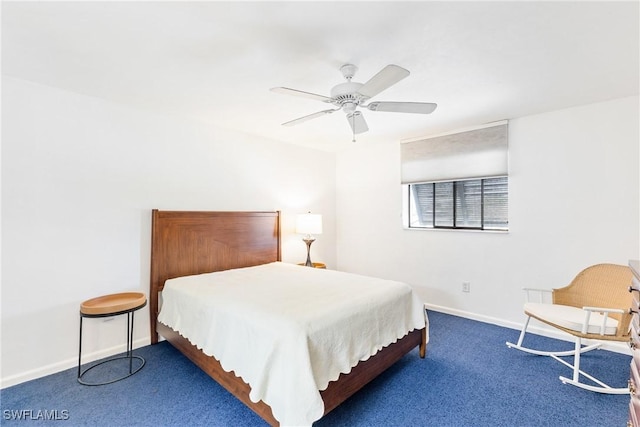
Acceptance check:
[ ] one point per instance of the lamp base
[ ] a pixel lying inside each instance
(308, 241)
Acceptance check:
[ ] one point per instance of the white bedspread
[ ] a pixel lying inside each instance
(289, 330)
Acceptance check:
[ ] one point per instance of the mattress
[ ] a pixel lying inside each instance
(288, 330)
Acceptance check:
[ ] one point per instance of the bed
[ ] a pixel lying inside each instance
(188, 243)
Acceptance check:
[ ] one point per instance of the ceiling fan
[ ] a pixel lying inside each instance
(350, 95)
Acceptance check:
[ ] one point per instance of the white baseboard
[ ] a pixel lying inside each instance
(538, 329)
(69, 363)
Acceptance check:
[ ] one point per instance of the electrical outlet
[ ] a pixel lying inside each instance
(466, 287)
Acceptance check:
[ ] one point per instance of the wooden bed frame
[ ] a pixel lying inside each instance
(185, 243)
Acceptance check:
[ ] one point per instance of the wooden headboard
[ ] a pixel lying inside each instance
(194, 242)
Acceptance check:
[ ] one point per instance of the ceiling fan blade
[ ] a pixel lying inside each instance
(403, 107)
(387, 77)
(295, 92)
(309, 117)
(357, 122)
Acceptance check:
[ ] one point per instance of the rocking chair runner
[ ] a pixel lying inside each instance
(596, 306)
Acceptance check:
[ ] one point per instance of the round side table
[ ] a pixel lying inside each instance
(107, 306)
(316, 264)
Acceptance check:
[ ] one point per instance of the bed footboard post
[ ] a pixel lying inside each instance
(423, 344)
(154, 332)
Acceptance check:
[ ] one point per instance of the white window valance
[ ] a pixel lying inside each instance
(476, 153)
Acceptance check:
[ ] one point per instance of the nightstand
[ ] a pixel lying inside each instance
(316, 264)
(106, 306)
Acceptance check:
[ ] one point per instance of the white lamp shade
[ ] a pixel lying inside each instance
(309, 224)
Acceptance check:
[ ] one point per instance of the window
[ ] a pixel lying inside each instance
(476, 204)
(457, 180)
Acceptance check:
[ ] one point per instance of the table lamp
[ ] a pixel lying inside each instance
(309, 224)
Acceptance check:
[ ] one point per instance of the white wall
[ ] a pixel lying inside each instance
(79, 179)
(80, 176)
(573, 201)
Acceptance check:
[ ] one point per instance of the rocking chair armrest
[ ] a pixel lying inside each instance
(605, 310)
(602, 310)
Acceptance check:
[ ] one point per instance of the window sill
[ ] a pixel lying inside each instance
(457, 230)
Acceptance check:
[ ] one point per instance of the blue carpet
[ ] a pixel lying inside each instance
(469, 378)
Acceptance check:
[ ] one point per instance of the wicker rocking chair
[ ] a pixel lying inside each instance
(594, 306)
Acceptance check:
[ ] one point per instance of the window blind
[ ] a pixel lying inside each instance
(471, 154)
(470, 204)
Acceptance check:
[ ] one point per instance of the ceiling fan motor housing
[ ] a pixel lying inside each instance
(345, 93)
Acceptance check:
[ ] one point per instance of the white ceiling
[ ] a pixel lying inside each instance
(215, 61)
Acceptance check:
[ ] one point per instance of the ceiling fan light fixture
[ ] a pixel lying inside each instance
(349, 107)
